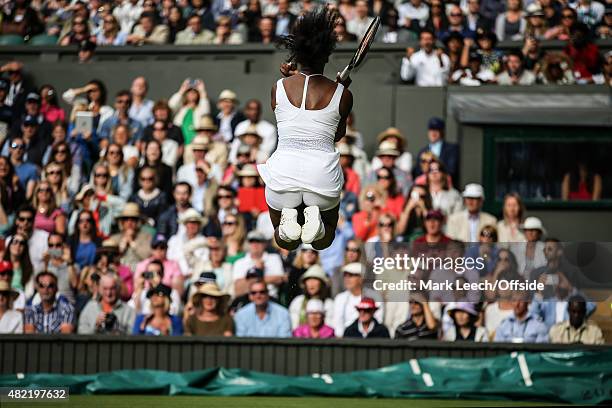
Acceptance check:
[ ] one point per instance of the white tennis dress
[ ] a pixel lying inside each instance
(305, 159)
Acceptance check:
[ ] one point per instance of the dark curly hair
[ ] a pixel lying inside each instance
(312, 38)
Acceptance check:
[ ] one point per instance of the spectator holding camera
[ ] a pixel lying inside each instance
(411, 221)
(54, 314)
(371, 203)
(159, 322)
(107, 315)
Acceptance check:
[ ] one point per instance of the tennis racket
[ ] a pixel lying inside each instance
(362, 50)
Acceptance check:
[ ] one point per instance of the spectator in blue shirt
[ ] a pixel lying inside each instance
(123, 102)
(26, 172)
(522, 326)
(262, 318)
(53, 314)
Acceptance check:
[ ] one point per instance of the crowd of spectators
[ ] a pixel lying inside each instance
(457, 39)
(132, 216)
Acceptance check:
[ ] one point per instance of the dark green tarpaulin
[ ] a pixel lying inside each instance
(573, 377)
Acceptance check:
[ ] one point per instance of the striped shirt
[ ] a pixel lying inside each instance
(410, 331)
(51, 322)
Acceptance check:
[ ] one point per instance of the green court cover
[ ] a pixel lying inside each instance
(572, 377)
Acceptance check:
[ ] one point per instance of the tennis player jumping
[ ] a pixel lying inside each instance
(303, 177)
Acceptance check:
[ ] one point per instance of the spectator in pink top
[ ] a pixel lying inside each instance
(173, 277)
(48, 217)
(315, 327)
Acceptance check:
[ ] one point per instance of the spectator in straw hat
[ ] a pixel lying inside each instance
(251, 197)
(192, 222)
(314, 284)
(229, 116)
(404, 161)
(366, 326)
(361, 164)
(249, 136)
(267, 131)
(11, 321)
(314, 327)
(210, 317)
(200, 146)
(530, 255)
(388, 154)
(134, 242)
(217, 150)
(465, 225)
(464, 317)
(352, 181)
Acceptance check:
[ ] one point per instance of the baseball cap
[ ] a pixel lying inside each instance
(436, 123)
(255, 273)
(159, 242)
(354, 268)
(206, 277)
(366, 303)
(256, 236)
(473, 190)
(33, 96)
(30, 120)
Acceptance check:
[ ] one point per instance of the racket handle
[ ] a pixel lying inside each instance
(344, 74)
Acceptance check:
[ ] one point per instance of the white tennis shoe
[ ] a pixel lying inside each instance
(313, 228)
(289, 230)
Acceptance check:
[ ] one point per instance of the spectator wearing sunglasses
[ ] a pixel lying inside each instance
(36, 238)
(7, 274)
(27, 173)
(53, 314)
(262, 318)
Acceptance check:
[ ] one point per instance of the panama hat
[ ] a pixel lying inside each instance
(248, 170)
(130, 210)
(227, 94)
(354, 268)
(207, 289)
(473, 190)
(250, 130)
(200, 142)
(387, 148)
(533, 223)
(316, 272)
(191, 215)
(390, 132)
(464, 307)
(345, 150)
(5, 287)
(206, 123)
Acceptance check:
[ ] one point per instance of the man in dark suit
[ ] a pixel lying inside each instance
(284, 19)
(229, 116)
(447, 153)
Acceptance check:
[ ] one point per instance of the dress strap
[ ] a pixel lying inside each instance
(303, 104)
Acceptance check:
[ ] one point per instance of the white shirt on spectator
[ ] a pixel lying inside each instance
(359, 26)
(127, 14)
(170, 150)
(273, 266)
(176, 251)
(426, 68)
(408, 11)
(187, 173)
(11, 322)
